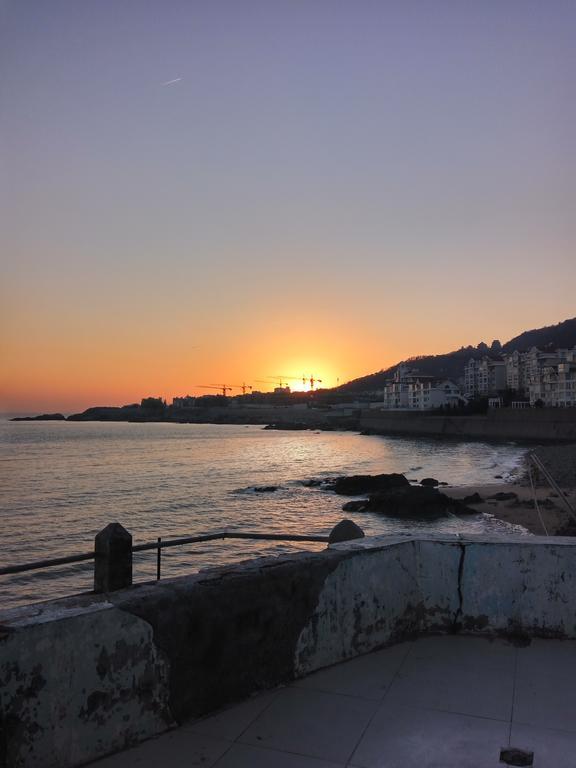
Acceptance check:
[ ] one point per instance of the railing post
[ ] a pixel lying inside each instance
(112, 559)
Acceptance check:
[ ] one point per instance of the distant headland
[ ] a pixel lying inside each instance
(41, 417)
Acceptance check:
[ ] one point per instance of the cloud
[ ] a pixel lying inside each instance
(171, 82)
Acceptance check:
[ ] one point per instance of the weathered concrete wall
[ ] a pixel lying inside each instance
(86, 676)
(513, 588)
(77, 678)
(366, 602)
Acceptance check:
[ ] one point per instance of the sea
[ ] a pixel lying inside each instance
(62, 482)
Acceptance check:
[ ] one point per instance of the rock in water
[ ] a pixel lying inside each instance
(501, 496)
(346, 530)
(355, 485)
(430, 482)
(415, 503)
(355, 506)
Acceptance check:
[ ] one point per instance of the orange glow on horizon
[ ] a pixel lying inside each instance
(64, 353)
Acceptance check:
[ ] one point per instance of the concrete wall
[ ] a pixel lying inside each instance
(539, 424)
(86, 676)
(498, 424)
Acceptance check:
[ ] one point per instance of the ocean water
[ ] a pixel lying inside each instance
(62, 482)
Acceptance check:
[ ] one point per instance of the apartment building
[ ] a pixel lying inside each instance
(183, 402)
(527, 369)
(484, 377)
(433, 393)
(410, 390)
(555, 386)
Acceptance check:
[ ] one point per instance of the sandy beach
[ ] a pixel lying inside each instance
(516, 502)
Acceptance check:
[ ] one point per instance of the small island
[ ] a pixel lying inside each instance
(41, 417)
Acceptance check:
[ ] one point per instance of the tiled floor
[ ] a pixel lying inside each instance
(441, 702)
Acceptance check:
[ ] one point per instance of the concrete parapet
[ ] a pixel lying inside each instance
(86, 676)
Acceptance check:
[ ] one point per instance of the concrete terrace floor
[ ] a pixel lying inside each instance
(438, 702)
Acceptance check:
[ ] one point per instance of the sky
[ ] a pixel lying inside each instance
(199, 193)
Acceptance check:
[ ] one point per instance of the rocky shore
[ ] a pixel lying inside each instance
(515, 502)
(533, 504)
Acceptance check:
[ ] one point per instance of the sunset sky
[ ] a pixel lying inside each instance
(327, 187)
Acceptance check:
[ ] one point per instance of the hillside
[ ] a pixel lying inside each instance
(451, 365)
(562, 335)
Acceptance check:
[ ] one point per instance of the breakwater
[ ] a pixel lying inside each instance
(139, 661)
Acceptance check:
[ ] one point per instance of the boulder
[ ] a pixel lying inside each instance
(417, 503)
(355, 506)
(502, 496)
(430, 482)
(265, 488)
(355, 485)
(346, 530)
(314, 482)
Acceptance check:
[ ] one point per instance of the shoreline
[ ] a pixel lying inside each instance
(552, 426)
(514, 501)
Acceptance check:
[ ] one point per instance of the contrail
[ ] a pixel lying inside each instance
(171, 82)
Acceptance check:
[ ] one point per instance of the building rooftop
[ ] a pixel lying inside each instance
(443, 702)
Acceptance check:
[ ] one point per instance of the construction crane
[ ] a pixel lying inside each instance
(282, 381)
(310, 381)
(223, 389)
(242, 386)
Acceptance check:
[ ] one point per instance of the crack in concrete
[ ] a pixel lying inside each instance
(456, 624)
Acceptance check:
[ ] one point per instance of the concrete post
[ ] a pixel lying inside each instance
(112, 559)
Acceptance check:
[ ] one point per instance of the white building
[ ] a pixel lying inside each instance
(555, 386)
(183, 402)
(516, 371)
(484, 377)
(396, 391)
(433, 393)
(411, 391)
(524, 369)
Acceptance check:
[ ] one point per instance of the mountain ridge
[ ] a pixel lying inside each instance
(451, 364)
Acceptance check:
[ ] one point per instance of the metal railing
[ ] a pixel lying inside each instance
(113, 549)
(553, 484)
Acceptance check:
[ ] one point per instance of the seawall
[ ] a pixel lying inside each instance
(533, 424)
(546, 424)
(90, 675)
